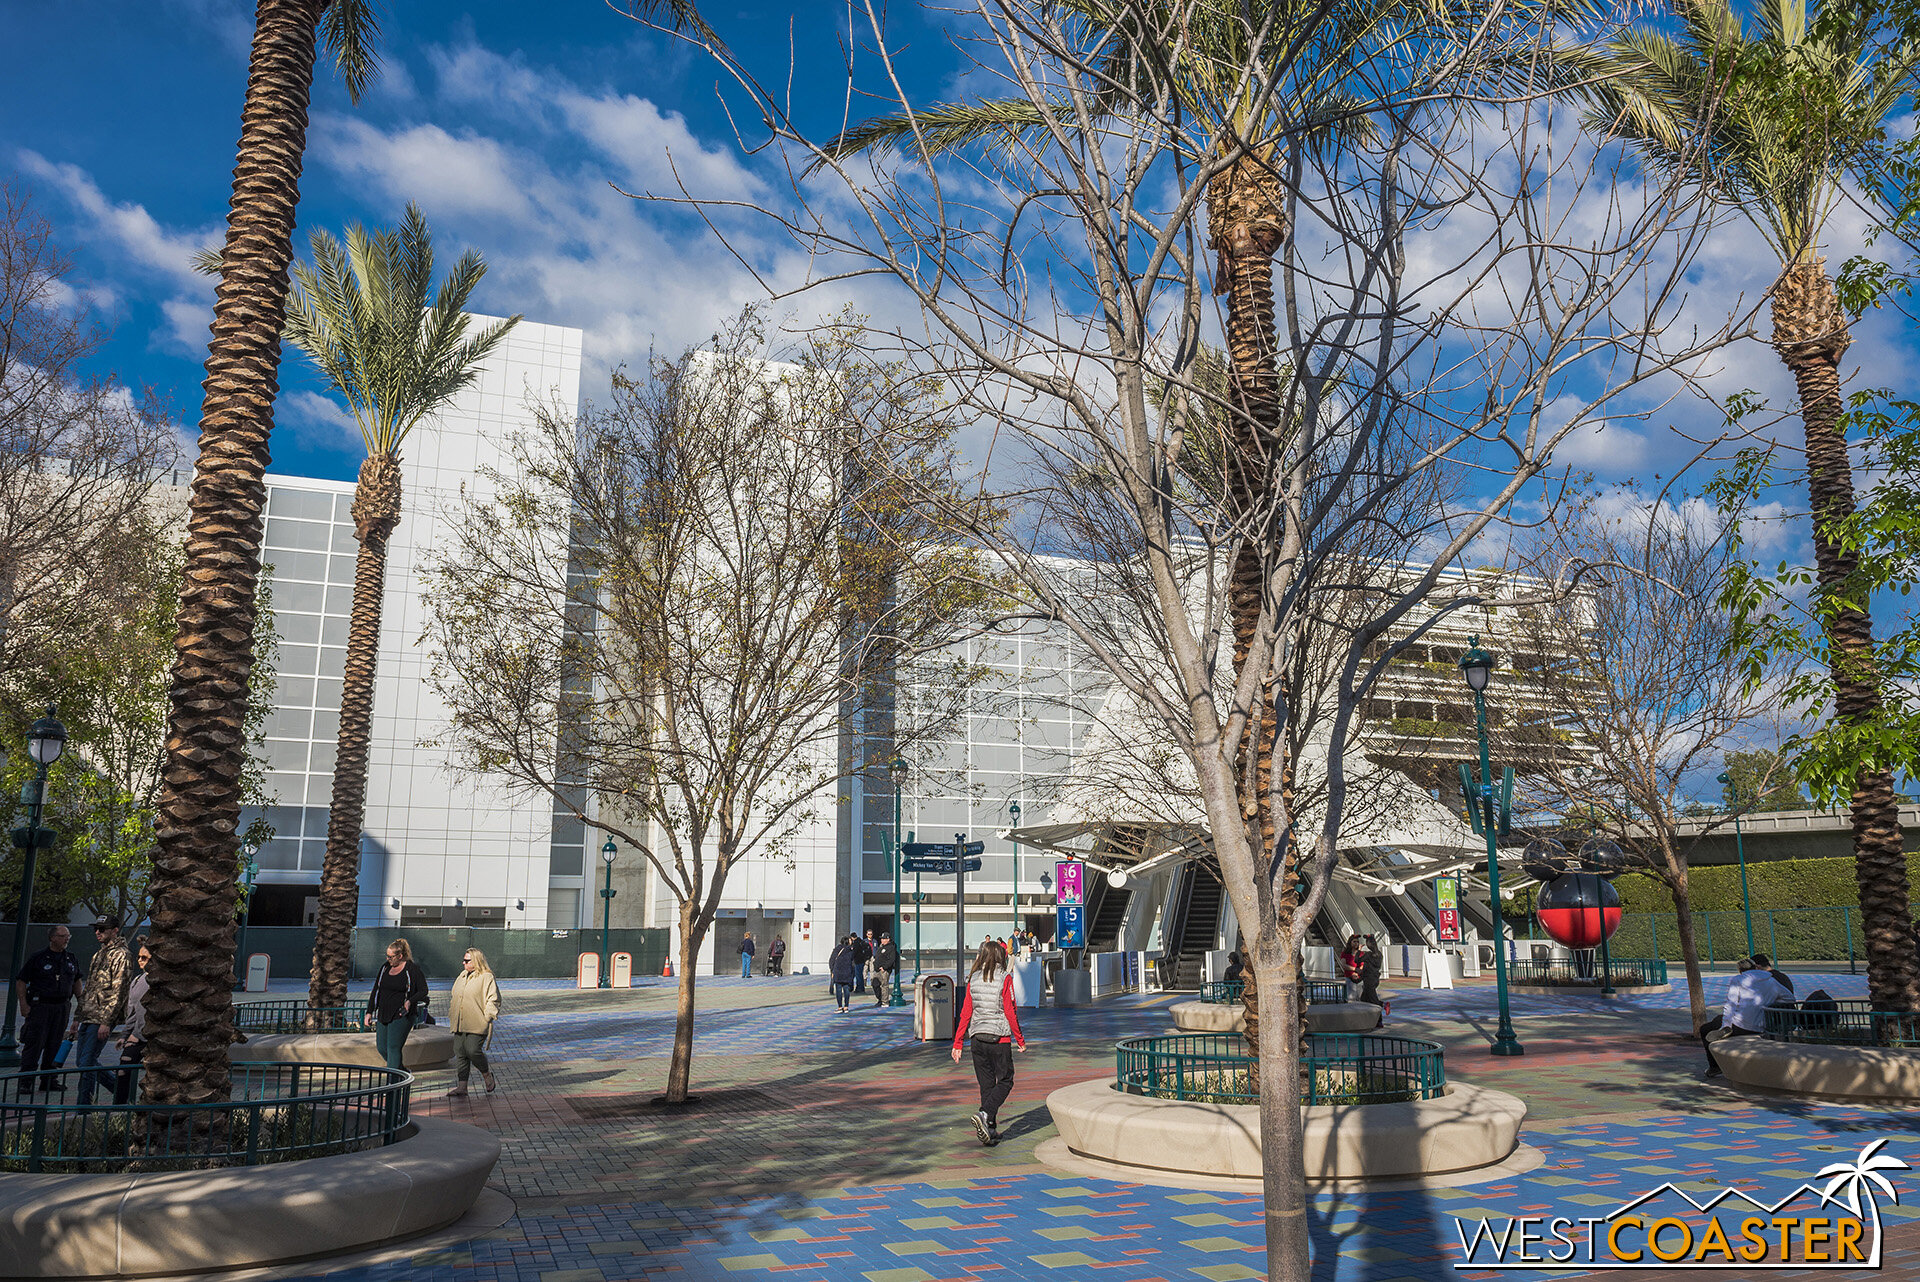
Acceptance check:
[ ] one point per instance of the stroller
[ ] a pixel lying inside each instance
(776, 957)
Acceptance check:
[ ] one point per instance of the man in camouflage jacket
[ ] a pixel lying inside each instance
(102, 1004)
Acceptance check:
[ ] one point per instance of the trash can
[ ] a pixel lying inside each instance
(933, 1012)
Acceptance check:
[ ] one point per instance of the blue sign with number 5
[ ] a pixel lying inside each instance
(1069, 926)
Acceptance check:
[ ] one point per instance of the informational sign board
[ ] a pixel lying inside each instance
(1070, 884)
(1070, 923)
(1447, 891)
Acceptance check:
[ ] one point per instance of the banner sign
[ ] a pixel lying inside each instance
(1069, 925)
(1070, 883)
(1446, 892)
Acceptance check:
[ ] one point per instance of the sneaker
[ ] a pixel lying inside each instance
(489, 1080)
(981, 1128)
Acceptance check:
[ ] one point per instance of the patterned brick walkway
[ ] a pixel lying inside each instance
(826, 1148)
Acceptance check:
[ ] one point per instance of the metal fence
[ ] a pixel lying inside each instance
(1628, 972)
(278, 1113)
(1848, 1022)
(294, 1017)
(1336, 1068)
(1784, 934)
(1317, 992)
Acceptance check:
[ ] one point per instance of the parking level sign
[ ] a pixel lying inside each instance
(1071, 883)
(1069, 926)
(1447, 900)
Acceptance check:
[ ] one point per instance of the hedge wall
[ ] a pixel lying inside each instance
(1779, 883)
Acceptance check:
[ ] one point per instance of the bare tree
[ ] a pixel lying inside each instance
(1636, 669)
(726, 564)
(78, 452)
(1435, 290)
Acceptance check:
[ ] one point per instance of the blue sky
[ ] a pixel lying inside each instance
(507, 122)
(504, 121)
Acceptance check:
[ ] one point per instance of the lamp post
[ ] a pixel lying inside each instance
(919, 911)
(607, 853)
(897, 771)
(46, 740)
(1740, 849)
(1013, 811)
(250, 869)
(1477, 665)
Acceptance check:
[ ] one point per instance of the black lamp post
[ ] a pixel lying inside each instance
(1477, 665)
(897, 772)
(1013, 812)
(1740, 849)
(46, 740)
(607, 853)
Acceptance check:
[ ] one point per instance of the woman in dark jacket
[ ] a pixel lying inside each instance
(845, 968)
(399, 993)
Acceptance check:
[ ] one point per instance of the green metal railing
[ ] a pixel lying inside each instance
(1336, 1068)
(1318, 992)
(278, 1113)
(1850, 1022)
(1785, 934)
(294, 1017)
(1630, 972)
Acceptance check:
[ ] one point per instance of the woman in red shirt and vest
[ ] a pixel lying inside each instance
(987, 1014)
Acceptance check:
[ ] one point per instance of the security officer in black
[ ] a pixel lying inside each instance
(50, 979)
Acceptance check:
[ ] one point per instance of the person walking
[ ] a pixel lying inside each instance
(886, 960)
(133, 1039)
(746, 956)
(101, 1007)
(45, 985)
(862, 955)
(845, 969)
(471, 1010)
(987, 1016)
(777, 956)
(399, 991)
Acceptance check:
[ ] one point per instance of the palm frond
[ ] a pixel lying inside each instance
(350, 31)
(675, 15)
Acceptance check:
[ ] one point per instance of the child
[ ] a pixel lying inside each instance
(987, 1014)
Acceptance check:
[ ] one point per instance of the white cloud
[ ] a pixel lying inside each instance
(460, 175)
(318, 420)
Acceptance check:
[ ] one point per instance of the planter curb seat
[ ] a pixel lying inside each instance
(1805, 1068)
(430, 1047)
(1231, 1017)
(1585, 990)
(129, 1224)
(1468, 1127)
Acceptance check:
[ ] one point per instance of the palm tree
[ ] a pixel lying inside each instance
(1849, 1182)
(195, 867)
(1773, 122)
(362, 313)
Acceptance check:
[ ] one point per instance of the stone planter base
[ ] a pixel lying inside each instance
(430, 1047)
(1468, 1127)
(192, 1222)
(1584, 990)
(1231, 1017)
(1854, 1072)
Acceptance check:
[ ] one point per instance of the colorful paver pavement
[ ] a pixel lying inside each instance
(829, 1147)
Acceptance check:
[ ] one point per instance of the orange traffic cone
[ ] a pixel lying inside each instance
(666, 969)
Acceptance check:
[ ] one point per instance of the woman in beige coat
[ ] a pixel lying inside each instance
(471, 1010)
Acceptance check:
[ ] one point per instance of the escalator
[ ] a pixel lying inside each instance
(1106, 913)
(1197, 914)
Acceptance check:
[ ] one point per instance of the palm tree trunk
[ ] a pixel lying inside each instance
(195, 870)
(376, 513)
(1810, 333)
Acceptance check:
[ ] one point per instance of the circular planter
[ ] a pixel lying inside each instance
(191, 1222)
(1586, 990)
(1467, 1128)
(430, 1047)
(1855, 1072)
(1214, 1017)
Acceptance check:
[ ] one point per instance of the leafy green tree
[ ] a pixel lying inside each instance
(1775, 120)
(369, 317)
(1761, 780)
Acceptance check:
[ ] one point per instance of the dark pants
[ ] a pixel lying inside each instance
(880, 979)
(842, 993)
(1714, 1025)
(130, 1054)
(391, 1039)
(469, 1052)
(41, 1033)
(993, 1066)
(87, 1047)
(1370, 988)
